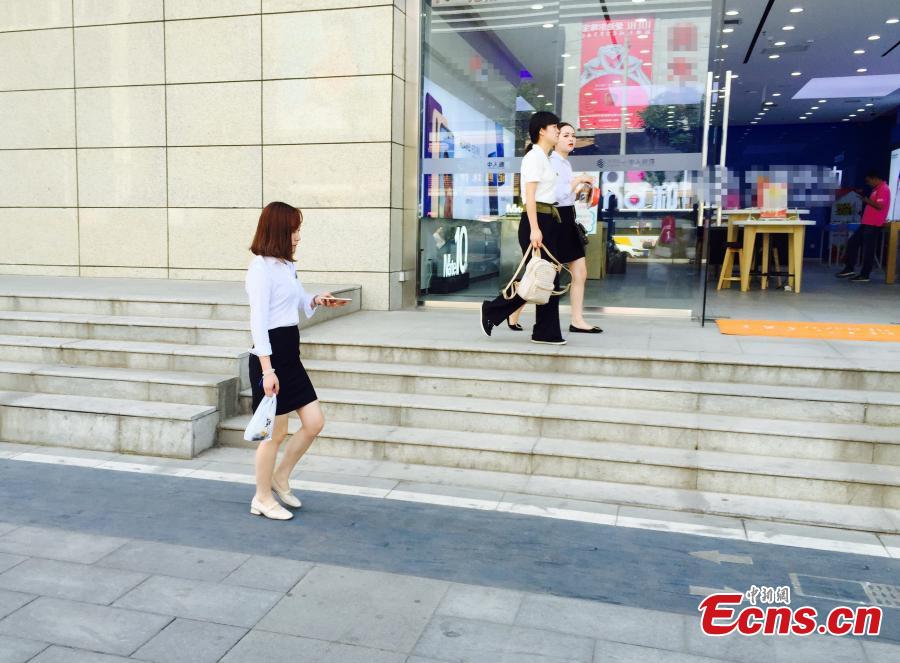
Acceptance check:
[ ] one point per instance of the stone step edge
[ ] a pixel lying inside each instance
(154, 299)
(661, 385)
(125, 320)
(705, 359)
(105, 406)
(865, 433)
(115, 374)
(142, 347)
(713, 461)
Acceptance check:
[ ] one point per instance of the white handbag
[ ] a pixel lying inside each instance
(536, 285)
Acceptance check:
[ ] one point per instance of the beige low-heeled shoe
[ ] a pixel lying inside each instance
(274, 512)
(286, 496)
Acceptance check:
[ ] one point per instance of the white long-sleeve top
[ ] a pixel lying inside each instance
(276, 297)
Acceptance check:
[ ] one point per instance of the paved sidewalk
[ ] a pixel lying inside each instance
(70, 597)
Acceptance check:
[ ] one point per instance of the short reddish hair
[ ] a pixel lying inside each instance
(273, 232)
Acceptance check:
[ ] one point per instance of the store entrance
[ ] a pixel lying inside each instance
(633, 80)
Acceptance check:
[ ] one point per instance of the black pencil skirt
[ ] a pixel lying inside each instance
(295, 387)
(568, 242)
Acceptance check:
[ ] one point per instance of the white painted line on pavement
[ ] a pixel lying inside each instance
(556, 513)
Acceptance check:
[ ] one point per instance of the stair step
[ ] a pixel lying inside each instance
(128, 383)
(826, 481)
(126, 354)
(800, 403)
(829, 373)
(186, 331)
(107, 424)
(202, 300)
(686, 430)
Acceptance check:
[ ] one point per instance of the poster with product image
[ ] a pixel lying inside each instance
(894, 184)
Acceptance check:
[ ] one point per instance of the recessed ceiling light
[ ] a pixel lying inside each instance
(637, 2)
(536, 7)
(540, 96)
(788, 27)
(774, 57)
(823, 101)
(891, 21)
(547, 25)
(754, 122)
(780, 43)
(735, 76)
(860, 110)
(549, 103)
(770, 103)
(728, 31)
(776, 94)
(560, 85)
(852, 115)
(846, 119)
(861, 70)
(869, 105)
(814, 107)
(859, 51)
(796, 73)
(723, 45)
(566, 55)
(796, 10)
(802, 117)
(717, 77)
(874, 37)
(732, 12)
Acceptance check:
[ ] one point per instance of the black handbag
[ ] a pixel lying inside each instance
(582, 234)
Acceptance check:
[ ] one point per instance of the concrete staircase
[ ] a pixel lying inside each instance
(810, 432)
(131, 365)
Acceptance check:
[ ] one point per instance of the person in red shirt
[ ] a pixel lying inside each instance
(866, 236)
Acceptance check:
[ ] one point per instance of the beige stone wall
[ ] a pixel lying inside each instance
(141, 138)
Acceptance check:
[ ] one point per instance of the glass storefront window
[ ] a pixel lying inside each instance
(630, 78)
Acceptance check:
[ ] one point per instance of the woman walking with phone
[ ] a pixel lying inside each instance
(276, 298)
(539, 227)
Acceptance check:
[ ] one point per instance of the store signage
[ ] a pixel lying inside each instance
(594, 162)
(459, 265)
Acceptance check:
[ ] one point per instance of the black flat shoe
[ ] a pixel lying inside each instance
(514, 327)
(579, 330)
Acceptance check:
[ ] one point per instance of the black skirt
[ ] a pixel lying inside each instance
(295, 388)
(569, 240)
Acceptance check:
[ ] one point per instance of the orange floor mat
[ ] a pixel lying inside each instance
(830, 331)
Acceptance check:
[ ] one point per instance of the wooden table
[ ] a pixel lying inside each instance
(794, 228)
(890, 269)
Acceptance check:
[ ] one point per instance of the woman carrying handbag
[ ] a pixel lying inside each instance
(276, 298)
(539, 228)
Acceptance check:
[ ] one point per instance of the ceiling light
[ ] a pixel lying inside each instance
(780, 43)
(637, 2)
(796, 73)
(735, 76)
(861, 70)
(852, 115)
(823, 101)
(540, 96)
(536, 7)
(571, 66)
(560, 85)
(776, 94)
(723, 45)
(566, 55)
(549, 103)
(846, 119)
(643, 36)
(859, 51)
(547, 25)
(770, 103)
(814, 107)
(796, 10)
(869, 105)
(774, 57)
(594, 101)
(645, 51)
(788, 27)
(891, 21)
(754, 122)
(732, 12)
(728, 31)
(874, 37)
(802, 117)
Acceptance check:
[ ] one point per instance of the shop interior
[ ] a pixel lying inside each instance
(712, 131)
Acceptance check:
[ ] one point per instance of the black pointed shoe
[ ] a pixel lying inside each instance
(579, 330)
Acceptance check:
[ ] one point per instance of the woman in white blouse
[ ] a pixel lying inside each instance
(539, 227)
(276, 297)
